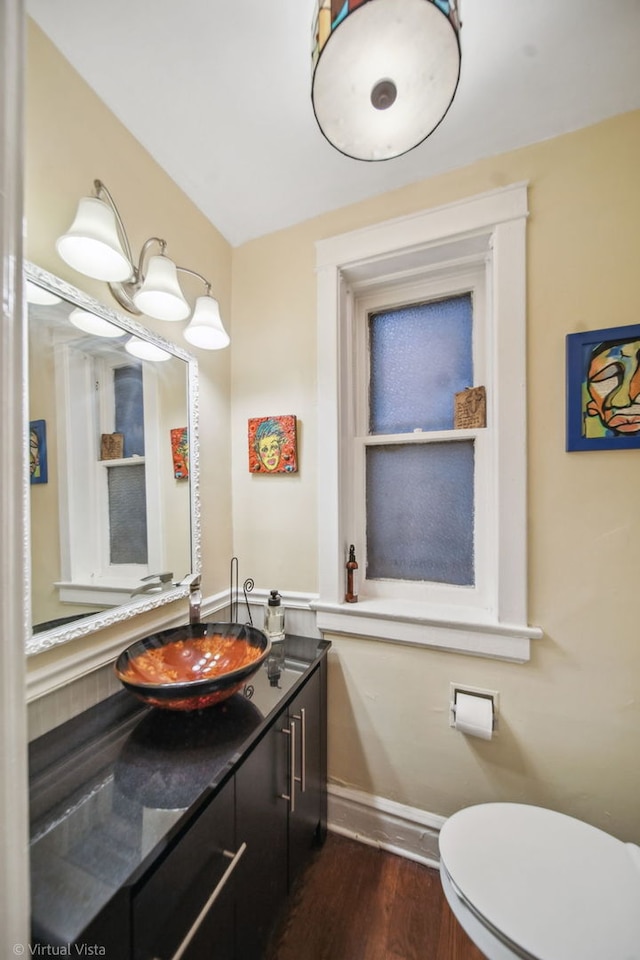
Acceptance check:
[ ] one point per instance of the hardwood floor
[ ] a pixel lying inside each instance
(356, 902)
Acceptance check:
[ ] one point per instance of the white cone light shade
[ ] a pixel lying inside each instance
(385, 73)
(160, 295)
(206, 329)
(90, 323)
(145, 350)
(92, 246)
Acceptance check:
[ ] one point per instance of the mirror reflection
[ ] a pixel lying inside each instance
(111, 480)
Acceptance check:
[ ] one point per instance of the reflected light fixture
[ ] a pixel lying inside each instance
(90, 323)
(37, 295)
(385, 72)
(144, 350)
(97, 245)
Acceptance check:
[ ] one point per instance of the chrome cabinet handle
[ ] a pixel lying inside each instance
(291, 796)
(235, 857)
(302, 717)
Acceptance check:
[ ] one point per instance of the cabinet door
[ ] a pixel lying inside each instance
(261, 823)
(306, 817)
(186, 907)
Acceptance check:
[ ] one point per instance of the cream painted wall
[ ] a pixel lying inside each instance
(72, 139)
(570, 719)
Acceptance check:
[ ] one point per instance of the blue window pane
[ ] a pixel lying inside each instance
(127, 386)
(420, 357)
(420, 512)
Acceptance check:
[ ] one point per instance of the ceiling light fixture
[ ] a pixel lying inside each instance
(385, 72)
(97, 245)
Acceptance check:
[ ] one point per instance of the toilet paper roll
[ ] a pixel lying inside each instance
(474, 715)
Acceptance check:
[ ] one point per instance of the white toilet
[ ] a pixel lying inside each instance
(526, 882)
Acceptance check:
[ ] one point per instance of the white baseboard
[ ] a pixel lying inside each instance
(378, 822)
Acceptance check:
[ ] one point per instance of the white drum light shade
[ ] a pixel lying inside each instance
(206, 329)
(92, 245)
(160, 295)
(90, 323)
(384, 72)
(145, 350)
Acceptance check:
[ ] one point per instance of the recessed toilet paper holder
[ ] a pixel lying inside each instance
(493, 695)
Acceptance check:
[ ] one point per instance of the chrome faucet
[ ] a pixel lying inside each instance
(195, 596)
(154, 583)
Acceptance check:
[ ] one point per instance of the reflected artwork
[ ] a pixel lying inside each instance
(38, 451)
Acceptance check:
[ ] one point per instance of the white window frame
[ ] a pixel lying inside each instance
(353, 271)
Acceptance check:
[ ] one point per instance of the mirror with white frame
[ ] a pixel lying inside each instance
(114, 489)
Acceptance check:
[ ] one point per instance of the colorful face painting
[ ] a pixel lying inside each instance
(272, 445)
(608, 364)
(180, 452)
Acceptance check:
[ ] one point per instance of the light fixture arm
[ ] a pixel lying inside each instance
(123, 291)
(103, 193)
(97, 245)
(197, 275)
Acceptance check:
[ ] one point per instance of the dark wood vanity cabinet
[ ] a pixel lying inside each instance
(187, 903)
(164, 837)
(261, 829)
(307, 786)
(280, 813)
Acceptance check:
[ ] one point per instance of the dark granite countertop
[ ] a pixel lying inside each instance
(113, 786)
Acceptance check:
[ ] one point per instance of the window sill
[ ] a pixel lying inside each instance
(456, 631)
(104, 593)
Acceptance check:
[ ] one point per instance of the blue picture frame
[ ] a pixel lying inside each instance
(603, 374)
(38, 451)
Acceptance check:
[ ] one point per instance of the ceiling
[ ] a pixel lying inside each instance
(219, 94)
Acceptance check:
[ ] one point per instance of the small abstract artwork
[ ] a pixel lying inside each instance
(38, 451)
(603, 389)
(180, 452)
(273, 445)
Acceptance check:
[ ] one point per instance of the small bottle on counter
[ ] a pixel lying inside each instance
(351, 596)
(274, 617)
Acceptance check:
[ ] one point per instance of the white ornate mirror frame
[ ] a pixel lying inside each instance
(90, 624)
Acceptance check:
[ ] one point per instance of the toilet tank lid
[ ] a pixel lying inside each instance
(555, 886)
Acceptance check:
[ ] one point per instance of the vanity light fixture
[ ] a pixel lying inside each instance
(97, 245)
(385, 72)
(206, 329)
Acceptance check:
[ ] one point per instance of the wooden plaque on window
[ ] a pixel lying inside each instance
(470, 409)
(112, 446)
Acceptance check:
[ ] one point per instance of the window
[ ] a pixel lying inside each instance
(113, 498)
(411, 312)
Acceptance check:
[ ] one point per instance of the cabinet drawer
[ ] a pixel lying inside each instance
(168, 907)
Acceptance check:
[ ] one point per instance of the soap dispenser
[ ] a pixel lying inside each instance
(274, 617)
